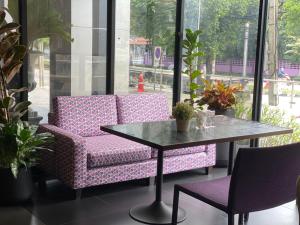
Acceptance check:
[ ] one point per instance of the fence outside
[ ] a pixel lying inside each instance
(231, 66)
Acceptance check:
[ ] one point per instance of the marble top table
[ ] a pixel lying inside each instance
(163, 136)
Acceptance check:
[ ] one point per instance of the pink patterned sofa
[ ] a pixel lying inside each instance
(85, 156)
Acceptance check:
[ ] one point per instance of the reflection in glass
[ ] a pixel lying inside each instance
(145, 46)
(67, 51)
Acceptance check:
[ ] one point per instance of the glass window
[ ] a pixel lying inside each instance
(281, 90)
(228, 38)
(145, 46)
(228, 43)
(67, 51)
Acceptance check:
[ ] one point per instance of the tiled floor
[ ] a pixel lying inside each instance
(109, 205)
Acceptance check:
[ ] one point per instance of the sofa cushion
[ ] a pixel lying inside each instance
(107, 150)
(142, 107)
(181, 151)
(83, 115)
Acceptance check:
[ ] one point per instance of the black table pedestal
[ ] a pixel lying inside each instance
(158, 212)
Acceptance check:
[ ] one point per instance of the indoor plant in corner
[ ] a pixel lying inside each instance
(183, 113)
(19, 141)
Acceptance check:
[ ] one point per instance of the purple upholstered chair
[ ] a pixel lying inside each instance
(262, 178)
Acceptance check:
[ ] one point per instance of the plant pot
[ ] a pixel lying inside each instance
(182, 125)
(15, 190)
(222, 149)
(228, 112)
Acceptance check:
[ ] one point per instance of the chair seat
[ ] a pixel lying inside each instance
(214, 192)
(181, 151)
(107, 150)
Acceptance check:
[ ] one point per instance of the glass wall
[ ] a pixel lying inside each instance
(228, 43)
(144, 43)
(228, 37)
(67, 51)
(281, 88)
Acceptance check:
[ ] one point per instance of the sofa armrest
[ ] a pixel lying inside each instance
(211, 154)
(70, 156)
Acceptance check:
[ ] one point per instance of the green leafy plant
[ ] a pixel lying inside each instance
(183, 111)
(192, 46)
(18, 140)
(274, 116)
(19, 143)
(219, 96)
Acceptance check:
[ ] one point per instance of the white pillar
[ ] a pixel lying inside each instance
(81, 47)
(122, 46)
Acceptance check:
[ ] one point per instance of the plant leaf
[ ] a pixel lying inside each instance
(8, 102)
(12, 70)
(17, 53)
(9, 27)
(195, 74)
(14, 169)
(11, 92)
(194, 86)
(2, 16)
(8, 42)
(21, 106)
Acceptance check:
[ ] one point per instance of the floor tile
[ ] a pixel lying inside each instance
(66, 211)
(17, 216)
(110, 204)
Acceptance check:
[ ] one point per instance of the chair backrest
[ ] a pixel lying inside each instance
(83, 115)
(142, 107)
(264, 178)
(298, 197)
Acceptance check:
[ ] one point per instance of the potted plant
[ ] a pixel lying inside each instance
(192, 46)
(183, 113)
(191, 57)
(19, 141)
(219, 97)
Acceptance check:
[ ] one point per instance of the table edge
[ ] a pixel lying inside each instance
(193, 144)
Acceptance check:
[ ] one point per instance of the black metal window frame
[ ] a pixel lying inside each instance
(110, 54)
(22, 6)
(110, 46)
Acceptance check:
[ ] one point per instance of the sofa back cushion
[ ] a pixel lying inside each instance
(142, 107)
(83, 115)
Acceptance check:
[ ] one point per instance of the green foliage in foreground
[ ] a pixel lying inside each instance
(18, 140)
(273, 116)
(19, 143)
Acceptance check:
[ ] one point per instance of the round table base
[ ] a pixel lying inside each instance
(156, 213)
